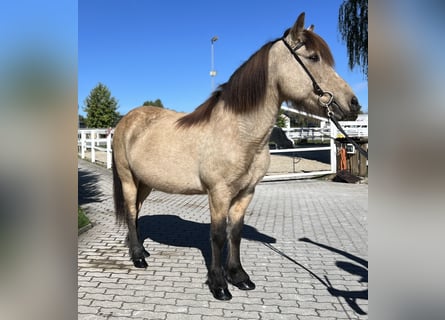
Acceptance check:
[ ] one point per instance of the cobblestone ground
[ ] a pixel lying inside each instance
(304, 245)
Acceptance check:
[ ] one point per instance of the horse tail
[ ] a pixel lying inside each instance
(118, 195)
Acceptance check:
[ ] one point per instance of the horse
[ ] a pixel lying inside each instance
(221, 148)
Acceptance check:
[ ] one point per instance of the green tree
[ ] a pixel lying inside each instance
(101, 108)
(81, 121)
(156, 103)
(353, 28)
(280, 122)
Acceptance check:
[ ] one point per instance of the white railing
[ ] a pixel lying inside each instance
(332, 131)
(95, 144)
(89, 141)
(354, 129)
(309, 134)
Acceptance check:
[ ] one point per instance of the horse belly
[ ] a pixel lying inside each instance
(167, 172)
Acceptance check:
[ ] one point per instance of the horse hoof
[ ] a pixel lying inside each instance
(146, 254)
(245, 285)
(221, 293)
(140, 263)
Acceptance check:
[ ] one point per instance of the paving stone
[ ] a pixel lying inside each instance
(144, 314)
(300, 239)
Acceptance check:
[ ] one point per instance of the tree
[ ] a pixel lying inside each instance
(156, 103)
(281, 121)
(101, 108)
(353, 27)
(81, 121)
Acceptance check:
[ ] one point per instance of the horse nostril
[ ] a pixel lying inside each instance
(354, 104)
(354, 101)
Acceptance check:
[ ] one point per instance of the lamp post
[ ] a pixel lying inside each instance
(212, 66)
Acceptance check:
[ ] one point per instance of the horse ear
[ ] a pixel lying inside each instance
(311, 28)
(298, 27)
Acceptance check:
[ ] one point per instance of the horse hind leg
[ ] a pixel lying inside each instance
(235, 273)
(143, 192)
(134, 202)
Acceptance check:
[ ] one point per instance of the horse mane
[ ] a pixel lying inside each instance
(244, 91)
(201, 113)
(246, 88)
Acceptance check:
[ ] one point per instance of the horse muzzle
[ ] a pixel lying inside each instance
(336, 110)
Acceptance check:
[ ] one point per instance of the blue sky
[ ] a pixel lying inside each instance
(147, 50)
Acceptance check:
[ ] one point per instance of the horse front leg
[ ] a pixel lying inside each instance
(219, 206)
(234, 271)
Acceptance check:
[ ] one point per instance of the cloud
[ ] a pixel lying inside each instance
(361, 86)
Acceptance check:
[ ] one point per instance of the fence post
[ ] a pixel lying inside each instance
(93, 150)
(97, 138)
(333, 147)
(109, 158)
(83, 143)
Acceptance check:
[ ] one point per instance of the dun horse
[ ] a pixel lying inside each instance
(221, 148)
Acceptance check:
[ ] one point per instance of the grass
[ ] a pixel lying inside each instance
(82, 219)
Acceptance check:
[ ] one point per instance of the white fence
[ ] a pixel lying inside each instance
(95, 144)
(354, 129)
(93, 140)
(309, 132)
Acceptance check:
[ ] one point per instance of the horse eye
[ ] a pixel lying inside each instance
(314, 58)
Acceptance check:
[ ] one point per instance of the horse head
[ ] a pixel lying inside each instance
(304, 69)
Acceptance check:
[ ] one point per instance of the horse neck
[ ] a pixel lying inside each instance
(255, 127)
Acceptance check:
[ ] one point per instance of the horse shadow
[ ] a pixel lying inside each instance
(359, 268)
(175, 231)
(87, 187)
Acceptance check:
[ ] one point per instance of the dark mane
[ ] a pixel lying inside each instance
(201, 113)
(247, 86)
(244, 91)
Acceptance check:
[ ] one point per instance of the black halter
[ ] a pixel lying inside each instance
(317, 88)
(325, 98)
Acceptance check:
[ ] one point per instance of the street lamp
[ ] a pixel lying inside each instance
(212, 66)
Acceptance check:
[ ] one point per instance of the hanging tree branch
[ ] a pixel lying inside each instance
(353, 28)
